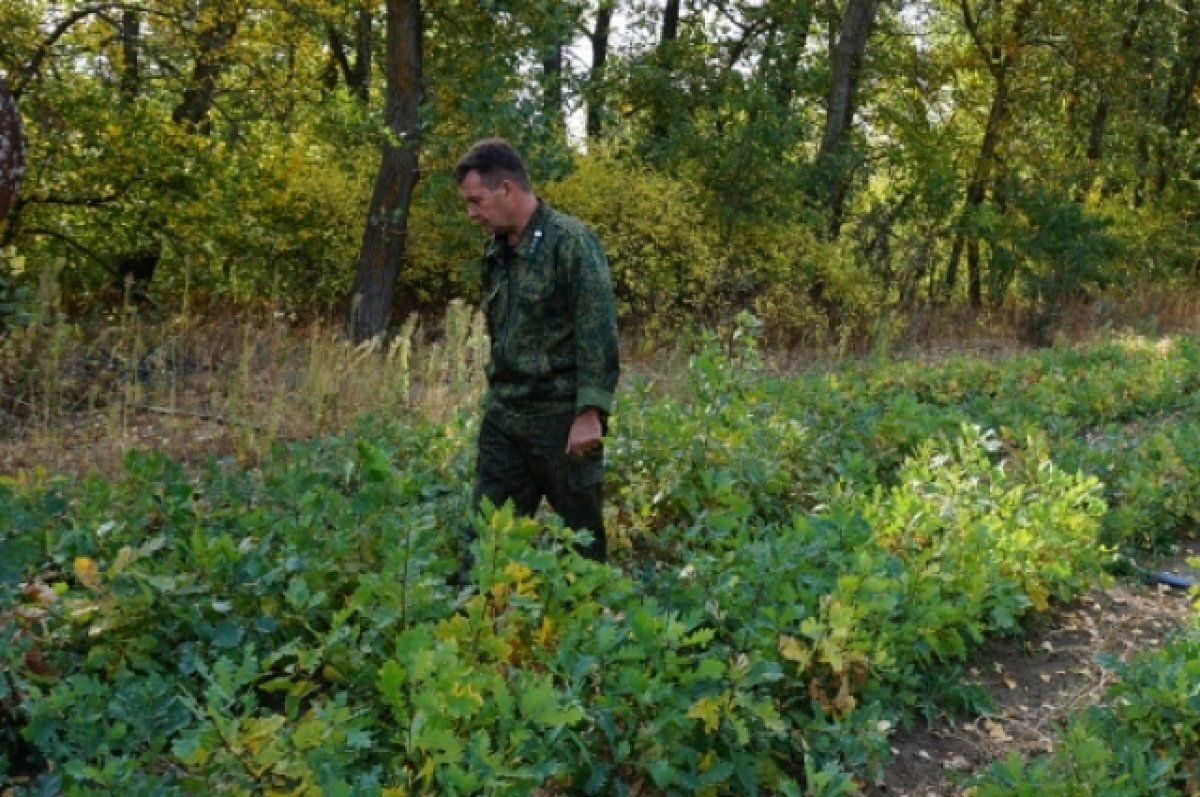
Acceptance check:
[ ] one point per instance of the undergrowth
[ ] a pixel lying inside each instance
(795, 560)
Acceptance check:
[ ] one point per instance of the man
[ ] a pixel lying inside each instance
(548, 300)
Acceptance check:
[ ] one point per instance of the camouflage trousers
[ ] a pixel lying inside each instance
(524, 459)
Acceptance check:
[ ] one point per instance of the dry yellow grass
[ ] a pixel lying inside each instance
(75, 402)
(75, 399)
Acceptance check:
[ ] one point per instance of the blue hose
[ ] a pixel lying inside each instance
(1172, 579)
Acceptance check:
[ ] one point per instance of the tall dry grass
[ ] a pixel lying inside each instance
(75, 397)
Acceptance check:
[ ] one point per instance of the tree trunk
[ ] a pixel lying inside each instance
(362, 54)
(833, 164)
(1180, 93)
(12, 151)
(974, 274)
(131, 25)
(665, 59)
(1000, 60)
(670, 26)
(357, 75)
(1095, 145)
(599, 37)
(211, 41)
(552, 85)
(386, 232)
(977, 188)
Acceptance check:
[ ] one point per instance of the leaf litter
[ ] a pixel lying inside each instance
(1036, 682)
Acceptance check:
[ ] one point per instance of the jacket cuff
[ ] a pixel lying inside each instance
(593, 397)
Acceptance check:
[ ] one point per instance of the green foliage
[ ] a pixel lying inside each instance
(1141, 740)
(16, 300)
(717, 203)
(663, 255)
(802, 562)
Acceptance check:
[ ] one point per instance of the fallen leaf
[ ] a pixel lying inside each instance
(996, 731)
(957, 762)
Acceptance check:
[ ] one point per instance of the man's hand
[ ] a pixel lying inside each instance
(586, 433)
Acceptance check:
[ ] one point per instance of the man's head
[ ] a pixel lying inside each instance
(492, 179)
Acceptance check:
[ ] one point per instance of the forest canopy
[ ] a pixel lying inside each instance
(815, 162)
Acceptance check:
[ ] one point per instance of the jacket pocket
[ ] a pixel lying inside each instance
(586, 471)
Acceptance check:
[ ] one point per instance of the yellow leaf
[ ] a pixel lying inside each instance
(518, 572)
(844, 701)
(996, 731)
(1038, 596)
(545, 634)
(124, 557)
(707, 709)
(87, 572)
(793, 650)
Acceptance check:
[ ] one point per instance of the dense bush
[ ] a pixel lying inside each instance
(661, 249)
(798, 559)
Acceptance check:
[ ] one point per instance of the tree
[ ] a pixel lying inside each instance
(598, 35)
(12, 150)
(386, 233)
(1098, 123)
(834, 161)
(1001, 55)
(357, 75)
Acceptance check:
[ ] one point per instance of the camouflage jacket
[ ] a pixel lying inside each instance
(551, 319)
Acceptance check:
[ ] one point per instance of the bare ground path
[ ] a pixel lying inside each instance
(1036, 682)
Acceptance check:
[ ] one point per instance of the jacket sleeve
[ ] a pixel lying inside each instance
(594, 314)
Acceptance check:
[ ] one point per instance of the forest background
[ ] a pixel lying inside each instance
(833, 167)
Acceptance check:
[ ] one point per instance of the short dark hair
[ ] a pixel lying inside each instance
(495, 160)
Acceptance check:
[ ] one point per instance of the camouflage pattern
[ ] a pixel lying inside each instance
(523, 459)
(551, 319)
(552, 322)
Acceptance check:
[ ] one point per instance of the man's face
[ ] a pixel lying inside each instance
(490, 208)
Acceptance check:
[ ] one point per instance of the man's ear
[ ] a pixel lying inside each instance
(508, 187)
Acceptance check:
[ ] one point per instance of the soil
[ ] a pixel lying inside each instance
(1037, 681)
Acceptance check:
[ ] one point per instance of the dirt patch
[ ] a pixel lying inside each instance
(1036, 682)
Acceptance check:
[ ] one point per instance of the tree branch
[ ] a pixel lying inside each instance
(74, 244)
(27, 74)
(31, 70)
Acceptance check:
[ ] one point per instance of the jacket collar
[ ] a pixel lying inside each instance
(532, 237)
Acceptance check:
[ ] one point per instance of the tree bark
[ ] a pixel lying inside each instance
(552, 84)
(1180, 93)
(599, 37)
(977, 189)
(1099, 121)
(211, 41)
(385, 236)
(12, 151)
(833, 165)
(357, 75)
(670, 26)
(362, 54)
(1000, 60)
(131, 27)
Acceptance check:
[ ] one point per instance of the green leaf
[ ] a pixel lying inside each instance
(540, 704)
